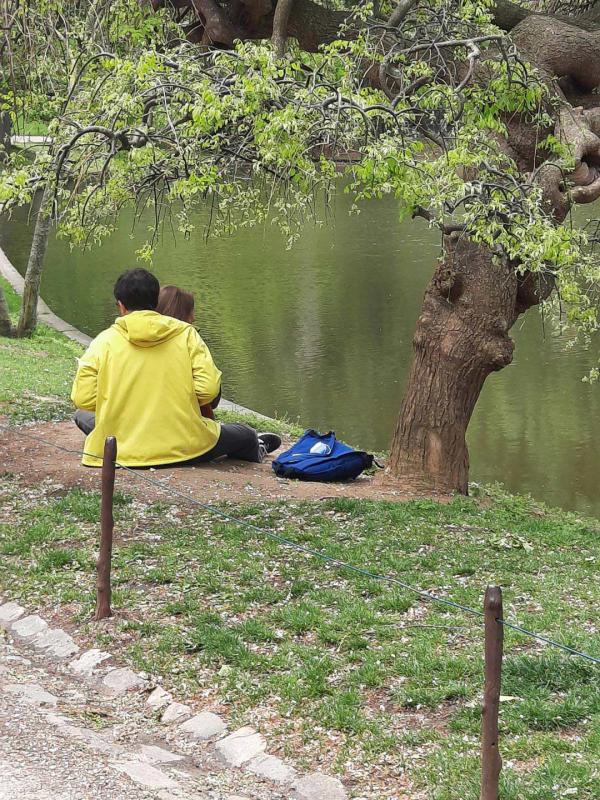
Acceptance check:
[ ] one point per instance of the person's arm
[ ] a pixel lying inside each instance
(206, 376)
(85, 385)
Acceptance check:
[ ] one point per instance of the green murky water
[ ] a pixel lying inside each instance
(323, 332)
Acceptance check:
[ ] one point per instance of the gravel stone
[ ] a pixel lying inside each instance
(204, 726)
(121, 680)
(156, 755)
(141, 772)
(32, 693)
(9, 612)
(317, 786)
(272, 768)
(240, 746)
(47, 755)
(158, 698)
(95, 741)
(88, 661)
(175, 712)
(29, 626)
(56, 643)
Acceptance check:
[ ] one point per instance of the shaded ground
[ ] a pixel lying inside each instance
(34, 461)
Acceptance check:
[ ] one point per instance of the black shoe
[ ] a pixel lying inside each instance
(270, 441)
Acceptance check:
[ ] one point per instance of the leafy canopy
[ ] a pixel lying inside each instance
(138, 116)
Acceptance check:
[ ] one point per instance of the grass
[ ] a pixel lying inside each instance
(25, 126)
(36, 372)
(337, 667)
(281, 425)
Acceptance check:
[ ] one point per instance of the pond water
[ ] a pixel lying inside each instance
(322, 332)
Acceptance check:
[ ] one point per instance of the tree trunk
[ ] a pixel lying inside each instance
(5, 134)
(461, 337)
(6, 328)
(33, 275)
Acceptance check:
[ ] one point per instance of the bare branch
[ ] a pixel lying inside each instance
(400, 13)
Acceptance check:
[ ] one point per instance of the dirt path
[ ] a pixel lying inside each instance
(236, 481)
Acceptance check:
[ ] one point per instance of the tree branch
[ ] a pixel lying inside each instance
(218, 29)
(399, 14)
(281, 18)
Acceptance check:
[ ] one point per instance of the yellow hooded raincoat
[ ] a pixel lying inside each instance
(146, 377)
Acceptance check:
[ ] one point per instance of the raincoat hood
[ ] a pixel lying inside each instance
(145, 395)
(147, 328)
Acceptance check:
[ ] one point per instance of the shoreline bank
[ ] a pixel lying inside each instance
(45, 315)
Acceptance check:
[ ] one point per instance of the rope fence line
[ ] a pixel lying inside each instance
(311, 551)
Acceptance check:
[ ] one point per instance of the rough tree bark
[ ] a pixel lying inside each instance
(281, 18)
(6, 328)
(33, 275)
(471, 303)
(461, 337)
(311, 23)
(5, 133)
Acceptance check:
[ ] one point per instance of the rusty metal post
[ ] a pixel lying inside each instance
(107, 523)
(491, 762)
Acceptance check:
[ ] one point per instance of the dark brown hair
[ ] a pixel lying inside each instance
(137, 289)
(174, 302)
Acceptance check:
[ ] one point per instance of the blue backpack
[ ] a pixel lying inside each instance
(320, 457)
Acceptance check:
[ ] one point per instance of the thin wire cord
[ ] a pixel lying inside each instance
(302, 548)
(316, 553)
(539, 637)
(359, 570)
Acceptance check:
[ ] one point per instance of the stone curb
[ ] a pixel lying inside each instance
(45, 313)
(243, 749)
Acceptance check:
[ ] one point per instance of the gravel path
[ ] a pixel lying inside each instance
(63, 739)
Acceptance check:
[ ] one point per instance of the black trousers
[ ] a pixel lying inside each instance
(236, 441)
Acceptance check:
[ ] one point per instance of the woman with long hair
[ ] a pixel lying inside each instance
(177, 303)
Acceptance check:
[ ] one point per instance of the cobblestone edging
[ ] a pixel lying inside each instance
(243, 749)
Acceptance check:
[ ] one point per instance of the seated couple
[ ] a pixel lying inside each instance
(150, 381)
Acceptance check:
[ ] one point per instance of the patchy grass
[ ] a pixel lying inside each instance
(37, 373)
(281, 425)
(338, 669)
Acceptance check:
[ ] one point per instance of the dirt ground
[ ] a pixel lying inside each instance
(25, 453)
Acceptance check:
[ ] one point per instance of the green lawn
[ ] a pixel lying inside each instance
(36, 374)
(329, 662)
(26, 126)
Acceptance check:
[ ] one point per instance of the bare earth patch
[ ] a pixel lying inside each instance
(237, 481)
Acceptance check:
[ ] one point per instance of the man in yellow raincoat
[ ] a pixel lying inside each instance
(143, 381)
